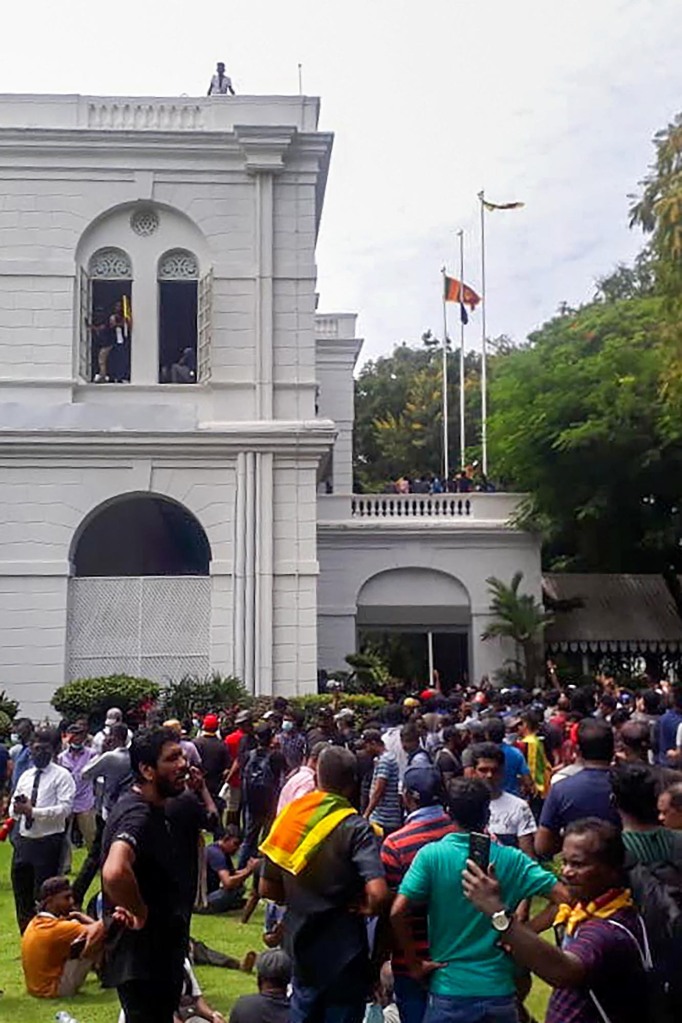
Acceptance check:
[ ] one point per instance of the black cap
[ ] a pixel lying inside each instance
(425, 783)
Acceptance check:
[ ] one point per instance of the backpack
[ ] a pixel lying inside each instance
(259, 778)
(657, 890)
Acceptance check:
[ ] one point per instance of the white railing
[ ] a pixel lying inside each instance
(471, 508)
(173, 115)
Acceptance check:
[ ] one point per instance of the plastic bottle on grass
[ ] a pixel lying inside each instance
(65, 1017)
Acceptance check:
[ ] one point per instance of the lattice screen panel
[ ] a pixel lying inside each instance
(158, 627)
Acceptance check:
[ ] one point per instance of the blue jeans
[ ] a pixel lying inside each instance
(446, 1009)
(312, 1005)
(410, 997)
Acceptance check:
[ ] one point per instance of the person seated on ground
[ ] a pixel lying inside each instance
(59, 946)
(225, 884)
(271, 1004)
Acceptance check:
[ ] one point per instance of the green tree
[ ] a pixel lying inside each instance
(519, 617)
(580, 419)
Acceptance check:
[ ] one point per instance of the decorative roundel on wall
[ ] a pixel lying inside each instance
(144, 222)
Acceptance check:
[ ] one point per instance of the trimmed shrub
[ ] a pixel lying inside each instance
(92, 697)
(7, 706)
(5, 724)
(364, 704)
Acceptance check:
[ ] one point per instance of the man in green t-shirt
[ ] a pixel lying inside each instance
(470, 977)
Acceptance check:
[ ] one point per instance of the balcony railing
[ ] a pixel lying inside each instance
(470, 508)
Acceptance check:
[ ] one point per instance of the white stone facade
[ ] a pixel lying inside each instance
(223, 195)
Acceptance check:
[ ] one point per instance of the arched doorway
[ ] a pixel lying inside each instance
(140, 592)
(420, 620)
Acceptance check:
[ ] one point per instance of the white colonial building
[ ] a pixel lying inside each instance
(176, 420)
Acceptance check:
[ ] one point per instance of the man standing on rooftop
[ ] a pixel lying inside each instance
(221, 83)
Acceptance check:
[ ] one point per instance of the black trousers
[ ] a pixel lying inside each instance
(144, 1001)
(33, 861)
(90, 865)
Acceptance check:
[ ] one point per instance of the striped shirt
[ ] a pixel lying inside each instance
(388, 814)
(428, 824)
(656, 846)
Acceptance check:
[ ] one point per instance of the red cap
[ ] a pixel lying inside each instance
(210, 723)
(426, 694)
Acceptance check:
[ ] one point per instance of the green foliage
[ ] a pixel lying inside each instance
(5, 724)
(369, 672)
(94, 696)
(8, 706)
(363, 704)
(399, 416)
(519, 617)
(201, 696)
(581, 419)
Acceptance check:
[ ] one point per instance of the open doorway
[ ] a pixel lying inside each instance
(406, 653)
(177, 332)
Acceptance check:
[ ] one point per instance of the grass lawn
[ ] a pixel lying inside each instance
(92, 1005)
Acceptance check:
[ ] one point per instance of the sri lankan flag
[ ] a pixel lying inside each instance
(457, 291)
(126, 314)
(501, 205)
(302, 827)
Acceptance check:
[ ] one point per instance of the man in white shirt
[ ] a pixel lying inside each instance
(41, 805)
(114, 717)
(221, 83)
(511, 820)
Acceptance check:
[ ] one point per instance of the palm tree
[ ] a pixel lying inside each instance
(520, 617)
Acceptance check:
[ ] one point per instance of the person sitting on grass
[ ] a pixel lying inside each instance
(226, 884)
(59, 945)
(271, 1004)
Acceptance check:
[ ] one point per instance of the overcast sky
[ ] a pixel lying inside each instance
(553, 104)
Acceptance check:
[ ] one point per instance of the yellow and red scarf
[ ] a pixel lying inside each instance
(301, 828)
(600, 909)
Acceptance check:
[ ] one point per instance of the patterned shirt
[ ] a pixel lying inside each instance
(614, 973)
(388, 813)
(428, 824)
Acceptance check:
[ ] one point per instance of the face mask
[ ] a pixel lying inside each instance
(14, 738)
(41, 758)
(76, 746)
(287, 726)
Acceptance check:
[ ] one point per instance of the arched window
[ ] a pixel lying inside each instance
(106, 317)
(180, 318)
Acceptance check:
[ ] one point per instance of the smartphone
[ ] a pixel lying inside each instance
(76, 950)
(479, 850)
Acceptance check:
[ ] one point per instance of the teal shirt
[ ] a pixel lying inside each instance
(459, 934)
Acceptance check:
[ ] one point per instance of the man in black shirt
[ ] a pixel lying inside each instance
(141, 880)
(215, 758)
(271, 1004)
(327, 902)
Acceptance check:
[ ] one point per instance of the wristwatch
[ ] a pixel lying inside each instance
(502, 921)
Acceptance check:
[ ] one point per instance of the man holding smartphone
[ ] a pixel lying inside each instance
(470, 977)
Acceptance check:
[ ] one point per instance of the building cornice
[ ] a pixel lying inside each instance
(310, 439)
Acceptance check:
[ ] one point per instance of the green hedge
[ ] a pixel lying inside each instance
(92, 697)
(201, 696)
(364, 704)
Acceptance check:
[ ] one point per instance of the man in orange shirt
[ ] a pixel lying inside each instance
(59, 946)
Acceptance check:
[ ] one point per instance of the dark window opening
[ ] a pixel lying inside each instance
(177, 332)
(140, 536)
(111, 330)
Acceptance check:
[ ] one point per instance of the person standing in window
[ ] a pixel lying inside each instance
(120, 323)
(221, 83)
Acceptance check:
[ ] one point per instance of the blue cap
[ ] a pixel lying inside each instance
(425, 783)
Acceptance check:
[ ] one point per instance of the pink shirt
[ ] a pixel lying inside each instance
(300, 783)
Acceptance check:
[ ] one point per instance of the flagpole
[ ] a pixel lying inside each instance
(484, 353)
(446, 455)
(462, 439)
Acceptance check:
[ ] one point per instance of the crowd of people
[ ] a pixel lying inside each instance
(463, 481)
(401, 857)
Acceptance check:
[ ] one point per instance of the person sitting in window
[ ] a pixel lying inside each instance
(184, 371)
(221, 83)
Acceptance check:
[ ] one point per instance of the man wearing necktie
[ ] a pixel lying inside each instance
(42, 804)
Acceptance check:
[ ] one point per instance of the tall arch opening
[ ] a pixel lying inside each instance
(107, 296)
(178, 275)
(140, 593)
(419, 620)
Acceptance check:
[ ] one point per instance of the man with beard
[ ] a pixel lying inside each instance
(141, 880)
